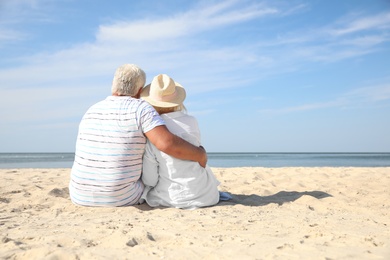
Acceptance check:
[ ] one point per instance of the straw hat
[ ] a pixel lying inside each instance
(163, 92)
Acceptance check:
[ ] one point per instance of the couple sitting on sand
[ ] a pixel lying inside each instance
(138, 145)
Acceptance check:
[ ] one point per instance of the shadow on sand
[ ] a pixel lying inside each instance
(279, 198)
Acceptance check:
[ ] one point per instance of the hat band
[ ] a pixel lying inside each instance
(164, 98)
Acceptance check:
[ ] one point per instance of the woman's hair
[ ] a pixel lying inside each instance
(128, 80)
(164, 110)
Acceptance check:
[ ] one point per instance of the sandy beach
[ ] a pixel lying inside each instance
(276, 213)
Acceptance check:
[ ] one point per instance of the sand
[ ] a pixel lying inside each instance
(276, 213)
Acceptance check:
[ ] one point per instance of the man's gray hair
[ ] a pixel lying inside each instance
(128, 80)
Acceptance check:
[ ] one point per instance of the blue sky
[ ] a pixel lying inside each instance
(261, 76)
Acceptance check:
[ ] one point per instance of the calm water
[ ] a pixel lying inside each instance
(65, 160)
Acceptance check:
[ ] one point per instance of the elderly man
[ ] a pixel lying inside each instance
(111, 141)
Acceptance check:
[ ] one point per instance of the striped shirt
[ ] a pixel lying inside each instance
(109, 148)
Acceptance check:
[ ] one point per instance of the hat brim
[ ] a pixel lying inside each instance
(174, 102)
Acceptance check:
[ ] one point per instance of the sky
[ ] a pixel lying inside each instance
(260, 76)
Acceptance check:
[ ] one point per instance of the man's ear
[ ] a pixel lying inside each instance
(139, 93)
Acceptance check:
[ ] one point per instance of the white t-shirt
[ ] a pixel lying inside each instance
(172, 182)
(109, 149)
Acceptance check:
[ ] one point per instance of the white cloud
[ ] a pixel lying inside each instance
(366, 40)
(357, 98)
(304, 107)
(375, 22)
(19, 11)
(15, 13)
(295, 9)
(331, 53)
(189, 23)
(370, 94)
(7, 35)
(167, 44)
(114, 45)
(345, 39)
(41, 104)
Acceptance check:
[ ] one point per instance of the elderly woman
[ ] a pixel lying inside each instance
(172, 182)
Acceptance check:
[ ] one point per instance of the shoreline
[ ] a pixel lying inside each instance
(275, 213)
(221, 160)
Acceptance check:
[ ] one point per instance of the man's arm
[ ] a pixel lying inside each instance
(173, 145)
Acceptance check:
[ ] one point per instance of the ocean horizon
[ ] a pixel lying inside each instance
(220, 159)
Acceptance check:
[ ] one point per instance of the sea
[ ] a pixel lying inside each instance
(222, 160)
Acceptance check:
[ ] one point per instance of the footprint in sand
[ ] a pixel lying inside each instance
(5, 200)
(63, 193)
(132, 242)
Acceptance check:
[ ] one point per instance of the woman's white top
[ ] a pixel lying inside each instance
(172, 182)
